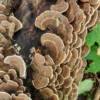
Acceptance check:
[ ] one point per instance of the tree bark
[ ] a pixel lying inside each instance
(29, 35)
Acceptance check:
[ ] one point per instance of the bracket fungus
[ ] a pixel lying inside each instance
(66, 47)
(60, 6)
(11, 85)
(58, 69)
(17, 63)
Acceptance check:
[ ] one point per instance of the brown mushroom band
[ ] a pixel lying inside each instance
(12, 67)
(58, 70)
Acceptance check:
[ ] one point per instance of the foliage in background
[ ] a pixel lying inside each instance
(85, 86)
(94, 36)
(93, 41)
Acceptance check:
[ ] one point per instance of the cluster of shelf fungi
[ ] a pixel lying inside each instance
(58, 67)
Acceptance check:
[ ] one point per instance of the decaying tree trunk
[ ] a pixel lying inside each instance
(29, 35)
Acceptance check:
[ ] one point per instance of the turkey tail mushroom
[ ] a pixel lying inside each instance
(55, 47)
(60, 6)
(17, 63)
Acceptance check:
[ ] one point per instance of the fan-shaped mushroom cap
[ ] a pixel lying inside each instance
(85, 50)
(1, 73)
(17, 63)
(67, 82)
(59, 70)
(84, 63)
(38, 66)
(96, 6)
(60, 94)
(5, 96)
(66, 91)
(9, 86)
(46, 93)
(20, 97)
(85, 7)
(48, 19)
(12, 73)
(49, 62)
(55, 47)
(6, 78)
(54, 97)
(79, 77)
(8, 26)
(65, 71)
(2, 8)
(68, 57)
(60, 6)
(39, 81)
(18, 24)
(93, 2)
(2, 29)
(88, 18)
(60, 79)
(74, 93)
(70, 13)
(82, 36)
(78, 20)
(3, 39)
(93, 19)
(2, 17)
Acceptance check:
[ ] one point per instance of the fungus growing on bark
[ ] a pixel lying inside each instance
(18, 24)
(17, 63)
(48, 20)
(60, 6)
(3, 39)
(5, 96)
(74, 92)
(42, 73)
(85, 50)
(20, 97)
(55, 47)
(10, 83)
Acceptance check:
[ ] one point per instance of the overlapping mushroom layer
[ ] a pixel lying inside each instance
(12, 66)
(65, 45)
(11, 85)
(77, 10)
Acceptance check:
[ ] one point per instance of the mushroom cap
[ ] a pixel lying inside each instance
(85, 50)
(65, 71)
(48, 19)
(39, 81)
(60, 6)
(70, 13)
(2, 17)
(49, 62)
(18, 63)
(18, 24)
(46, 93)
(2, 8)
(42, 74)
(3, 39)
(38, 66)
(93, 19)
(20, 97)
(5, 96)
(55, 47)
(74, 93)
(2, 29)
